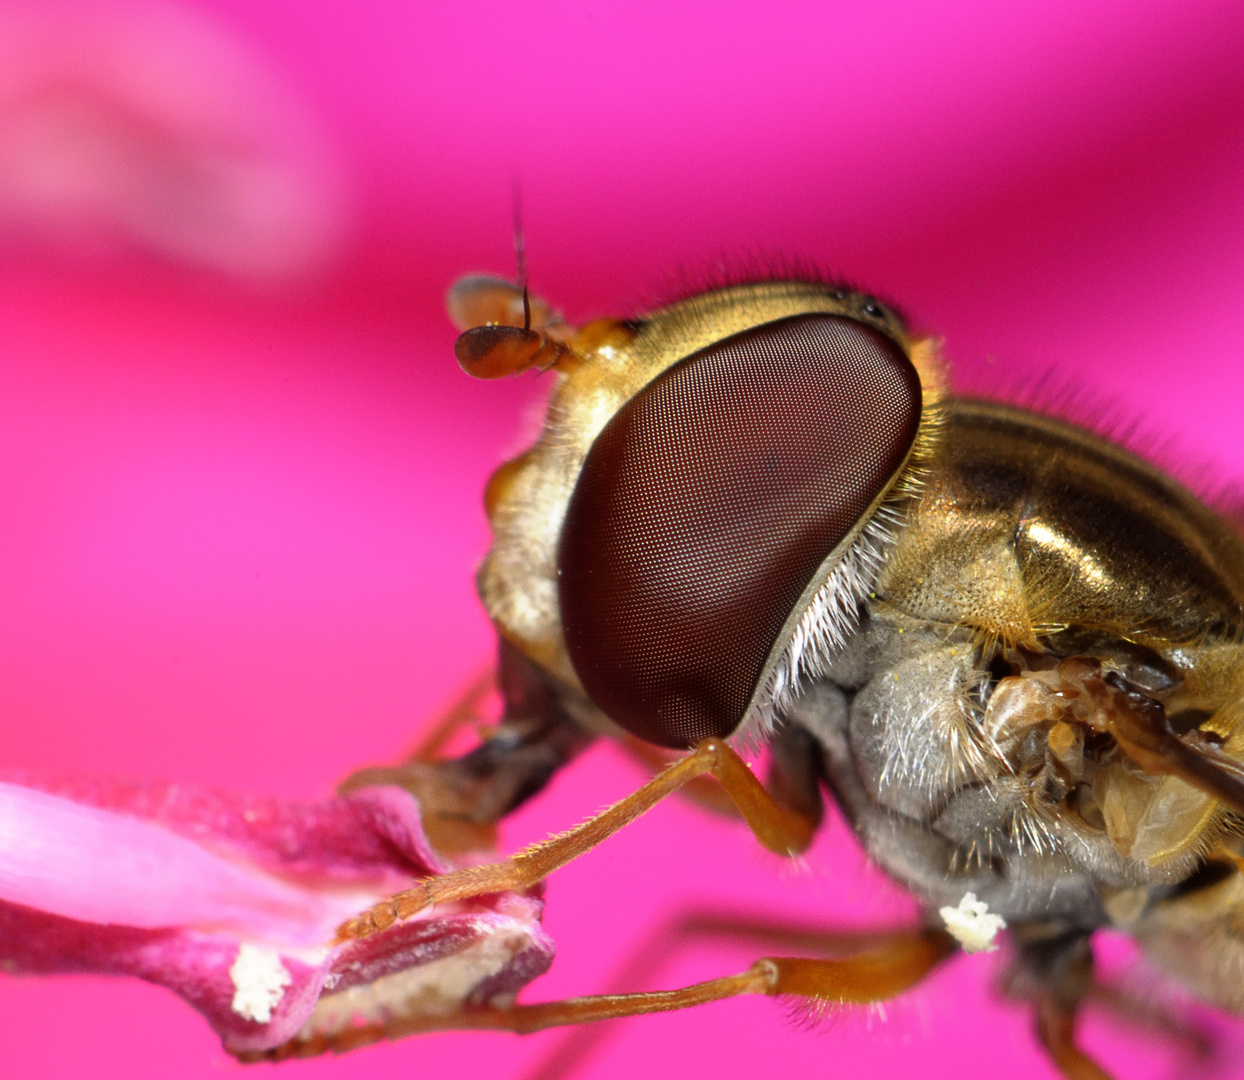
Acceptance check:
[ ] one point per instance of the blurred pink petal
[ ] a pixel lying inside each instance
(146, 126)
(232, 903)
(231, 526)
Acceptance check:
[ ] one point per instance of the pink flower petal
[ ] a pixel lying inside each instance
(97, 866)
(368, 835)
(148, 126)
(179, 887)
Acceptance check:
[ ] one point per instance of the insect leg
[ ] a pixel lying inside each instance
(1056, 1031)
(703, 791)
(1138, 724)
(895, 961)
(461, 799)
(794, 776)
(1053, 969)
(782, 830)
(739, 930)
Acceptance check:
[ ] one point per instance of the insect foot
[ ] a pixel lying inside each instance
(464, 884)
(381, 916)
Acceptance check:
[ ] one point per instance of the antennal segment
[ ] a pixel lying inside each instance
(494, 344)
(520, 250)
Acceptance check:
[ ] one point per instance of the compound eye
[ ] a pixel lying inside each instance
(708, 503)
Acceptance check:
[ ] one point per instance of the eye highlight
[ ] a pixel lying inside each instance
(708, 503)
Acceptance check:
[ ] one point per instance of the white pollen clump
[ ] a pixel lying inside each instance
(259, 981)
(971, 924)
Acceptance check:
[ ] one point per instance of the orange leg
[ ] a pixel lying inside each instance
(463, 712)
(463, 797)
(1053, 971)
(650, 955)
(781, 830)
(793, 777)
(1056, 1030)
(894, 962)
(701, 790)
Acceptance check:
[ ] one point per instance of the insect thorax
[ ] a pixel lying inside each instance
(951, 734)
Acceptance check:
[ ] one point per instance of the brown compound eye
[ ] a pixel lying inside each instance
(708, 503)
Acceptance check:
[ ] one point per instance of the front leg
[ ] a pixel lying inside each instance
(462, 799)
(781, 829)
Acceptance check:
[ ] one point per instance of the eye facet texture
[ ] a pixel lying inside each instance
(707, 504)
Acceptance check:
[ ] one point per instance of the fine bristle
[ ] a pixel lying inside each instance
(834, 612)
(1062, 396)
(751, 268)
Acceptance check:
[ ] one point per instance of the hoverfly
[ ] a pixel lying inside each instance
(1007, 649)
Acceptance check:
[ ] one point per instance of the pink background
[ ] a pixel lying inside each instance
(241, 521)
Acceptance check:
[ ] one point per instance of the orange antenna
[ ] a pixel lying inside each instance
(497, 347)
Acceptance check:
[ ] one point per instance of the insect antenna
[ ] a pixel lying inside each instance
(494, 347)
(520, 250)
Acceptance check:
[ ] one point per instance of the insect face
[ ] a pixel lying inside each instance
(1008, 649)
(721, 483)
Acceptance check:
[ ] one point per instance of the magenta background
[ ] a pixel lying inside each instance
(239, 532)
